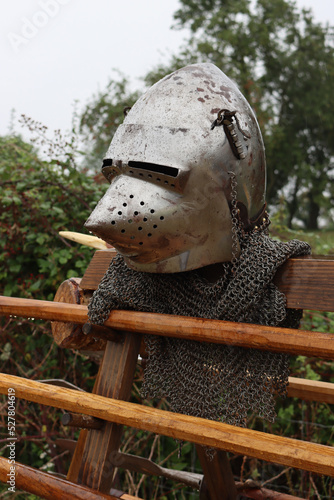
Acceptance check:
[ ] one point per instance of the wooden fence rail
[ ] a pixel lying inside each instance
(307, 343)
(290, 452)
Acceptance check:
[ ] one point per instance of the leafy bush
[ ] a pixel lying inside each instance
(38, 198)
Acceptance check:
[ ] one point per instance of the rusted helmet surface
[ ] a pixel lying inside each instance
(170, 165)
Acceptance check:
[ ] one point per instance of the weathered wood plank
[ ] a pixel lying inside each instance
(218, 482)
(69, 335)
(48, 486)
(290, 452)
(307, 282)
(97, 268)
(91, 464)
(311, 390)
(307, 343)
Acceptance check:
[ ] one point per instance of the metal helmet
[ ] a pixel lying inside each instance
(170, 166)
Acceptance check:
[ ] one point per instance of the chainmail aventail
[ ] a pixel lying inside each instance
(212, 381)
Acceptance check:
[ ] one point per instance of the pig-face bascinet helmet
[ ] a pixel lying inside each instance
(170, 166)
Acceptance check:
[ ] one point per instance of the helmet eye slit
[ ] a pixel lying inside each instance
(154, 167)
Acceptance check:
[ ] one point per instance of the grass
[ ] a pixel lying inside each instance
(321, 241)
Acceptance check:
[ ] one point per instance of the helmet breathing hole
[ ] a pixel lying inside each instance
(152, 211)
(155, 226)
(113, 222)
(142, 203)
(140, 228)
(132, 237)
(131, 195)
(140, 243)
(149, 234)
(162, 217)
(135, 213)
(129, 221)
(145, 219)
(125, 204)
(122, 230)
(119, 213)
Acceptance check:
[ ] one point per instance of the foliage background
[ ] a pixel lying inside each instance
(283, 62)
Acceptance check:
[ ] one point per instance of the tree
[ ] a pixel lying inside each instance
(283, 63)
(101, 117)
(305, 119)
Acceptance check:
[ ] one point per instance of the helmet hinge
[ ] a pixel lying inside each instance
(225, 118)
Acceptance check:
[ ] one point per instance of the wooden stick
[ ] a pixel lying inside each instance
(91, 461)
(192, 479)
(48, 486)
(307, 343)
(262, 493)
(84, 239)
(290, 452)
(311, 390)
(146, 466)
(82, 421)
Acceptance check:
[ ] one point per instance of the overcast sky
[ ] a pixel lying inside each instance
(55, 51)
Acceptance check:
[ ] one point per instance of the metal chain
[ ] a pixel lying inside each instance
(209, 380)
(235, 220)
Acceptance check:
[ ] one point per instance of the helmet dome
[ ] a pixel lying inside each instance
(170, 164)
